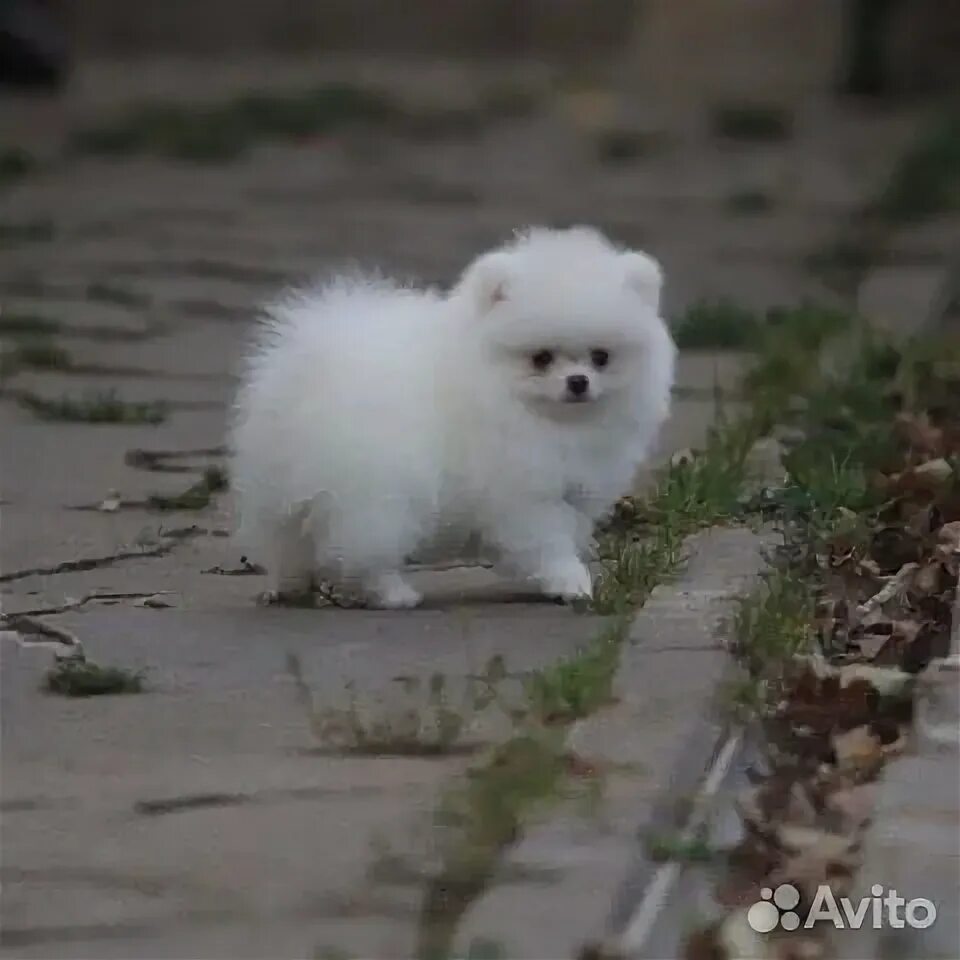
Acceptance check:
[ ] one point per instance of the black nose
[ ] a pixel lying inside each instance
(578, 384)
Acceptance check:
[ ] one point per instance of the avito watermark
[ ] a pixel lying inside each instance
(884, 909)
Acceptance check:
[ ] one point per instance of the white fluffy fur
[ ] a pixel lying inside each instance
(376, 419)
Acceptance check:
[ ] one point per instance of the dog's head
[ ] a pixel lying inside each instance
(569, 322)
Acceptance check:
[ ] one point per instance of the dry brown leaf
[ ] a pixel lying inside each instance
(871, 644)
(797, 839)
(853, 805)
(858, 751)
(815, 857)
(892, 589)
(919, 434)
(580, 766)
(895, 747)
(934, 471)
(914, 482)
(801, 947)
(948, 540)
(741, 941)
(917, 517)
(886, 681)
(926, 580)
(701, 945)
(885, 640)
(807, 946)
(905, 631)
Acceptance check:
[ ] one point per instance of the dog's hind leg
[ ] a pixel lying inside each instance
(293, 559)
(389, 591)
(369, 545)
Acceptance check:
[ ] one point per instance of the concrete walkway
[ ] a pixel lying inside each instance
(199, 818)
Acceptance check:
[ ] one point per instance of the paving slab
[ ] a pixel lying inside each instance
(654, 743)
(206, 802)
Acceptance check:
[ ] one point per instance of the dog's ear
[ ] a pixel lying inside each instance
(487, 281)
(644, 277)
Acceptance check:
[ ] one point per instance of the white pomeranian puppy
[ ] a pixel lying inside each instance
(376, 419)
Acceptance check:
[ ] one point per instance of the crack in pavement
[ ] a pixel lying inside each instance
(155, 460)
(89, 563)
(203, 801)
(86, 598)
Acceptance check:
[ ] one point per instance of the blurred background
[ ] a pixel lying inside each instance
(165, 168)
(731, 137)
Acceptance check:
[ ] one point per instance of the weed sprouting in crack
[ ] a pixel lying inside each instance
(42, 353)
(774, 623)
(15, 164)
(101, 292)
(926, 179)
(104, 406)
(749, 202)
(576, 686)
(478, 819)
(82, 678)
(196, 496)
(643, 542)
(22, 324)
(760, 122)
(415, 718)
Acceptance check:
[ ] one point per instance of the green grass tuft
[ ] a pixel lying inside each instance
(478, 820)
(752, 121)
(108, 293)
(95, 407)
(926, 179)
(221, 132)
(195, 497)
(424, 722)
(773, 624)
(626, 146)
(576, 686)
(27, 231)
(484, 948)
(15, 324)
(42, 354)
(71, 678)
(716, 325)
(643, 542)
(842, 263)
(15, 164)
(660, 849)
(789, 351)
(746, 203)
(630, 567)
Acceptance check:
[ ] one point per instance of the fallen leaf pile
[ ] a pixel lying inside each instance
(889, 579)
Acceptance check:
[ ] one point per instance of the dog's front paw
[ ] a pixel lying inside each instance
(286, 598)
(569, 581)
(392, 592)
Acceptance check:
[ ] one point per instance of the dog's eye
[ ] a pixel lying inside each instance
(541, 359)
(599, 358)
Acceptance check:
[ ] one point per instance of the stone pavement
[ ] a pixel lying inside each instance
(199, 818)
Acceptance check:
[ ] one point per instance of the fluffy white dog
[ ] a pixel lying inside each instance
(376, 419)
